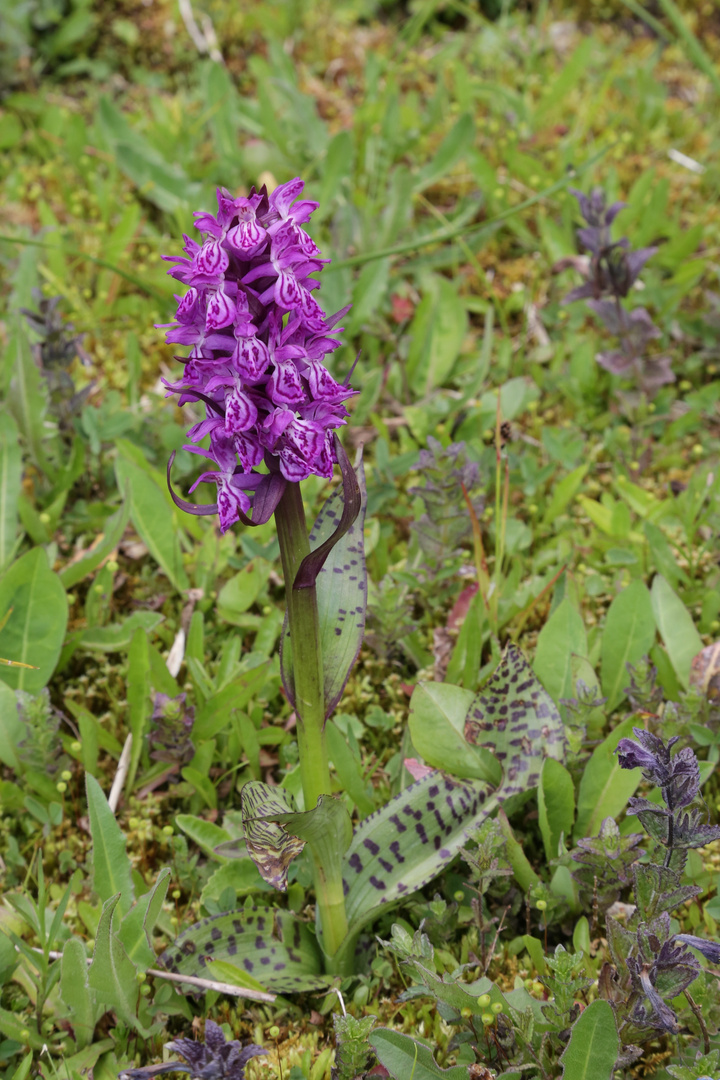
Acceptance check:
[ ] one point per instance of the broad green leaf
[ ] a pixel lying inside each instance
(10, 477)
(341, 597)
(112, 974)
(100, 548)
(14, 1026)
(35, 630)
(112, 874)
(628, 636)
(75, 991)
(242, 590)
(117, 637)
(203, 833)
(136, 928)
(676, 628)
(404, 1057)
(203, 785)
(436, 336)
(152, 520)
(215, 714)
(11, 728)
(604, 787)
(562, 636)
(556, 805)
(239, 874)
(348, 769)
(271, 944)
(138, 700)
(594, 1045)
(437, 727)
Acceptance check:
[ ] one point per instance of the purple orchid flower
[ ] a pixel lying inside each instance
(258, 340)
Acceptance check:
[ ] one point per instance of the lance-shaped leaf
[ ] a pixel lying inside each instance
(137, 926)
(271, 847)
(75, 992)
(515, 717)
(273, 946)
(404, 1057)
(341, 586)
(112, 974)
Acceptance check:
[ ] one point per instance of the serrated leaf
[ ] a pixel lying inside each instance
(112, 975)
(594, 1045)
(404, 1057)
(272, 945)
(112, 873)
(341, 587)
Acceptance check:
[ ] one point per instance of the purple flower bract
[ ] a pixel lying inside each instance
(258, 340)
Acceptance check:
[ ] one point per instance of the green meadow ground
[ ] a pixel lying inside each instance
(440, 145)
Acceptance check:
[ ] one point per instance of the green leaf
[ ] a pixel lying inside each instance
(556, 805)
(203, 833)
(117, 638)
(27, 396)
(563, 493)
(14, 1026)
(562, 637)
(437, 729)
(10, 477)
(348, 769)
(100, 548)
(215, 714)
(136, 928)
(269, 845)
(594, 1045)
(224, 971)
(676, 628)
(138, 700)
(35, 630)
(151, 517)
(341, 587)
(436, 336)
(405, 1058)
(628, 636)
(456, 145)
(270, 944)
(112, 974)
(11, 728)
(242, 590)
(75, 991)
(112, 873)
(604, 787)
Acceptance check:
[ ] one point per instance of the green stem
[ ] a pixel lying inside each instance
(304, 628)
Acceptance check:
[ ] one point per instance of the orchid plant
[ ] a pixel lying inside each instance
(259, 343)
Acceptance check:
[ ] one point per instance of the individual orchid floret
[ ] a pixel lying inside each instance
(258, 342)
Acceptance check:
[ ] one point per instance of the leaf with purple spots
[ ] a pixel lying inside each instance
(341, 587)
(269, 845)
(273, 946)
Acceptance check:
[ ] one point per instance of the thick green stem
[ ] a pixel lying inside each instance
(304, 628)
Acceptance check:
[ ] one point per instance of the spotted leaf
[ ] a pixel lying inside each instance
(269, 845)
(275, 947)
(341, 586)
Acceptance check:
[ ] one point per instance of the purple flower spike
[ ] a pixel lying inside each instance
(258, 340)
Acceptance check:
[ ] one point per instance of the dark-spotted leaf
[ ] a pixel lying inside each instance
(341, 588)
(35, 630)
(271, 847)
(272, 945)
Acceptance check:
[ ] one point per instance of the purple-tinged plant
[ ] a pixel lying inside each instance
(610, 269)
(653, 964)
(258, 340)
(172, 724)
(214, 1059)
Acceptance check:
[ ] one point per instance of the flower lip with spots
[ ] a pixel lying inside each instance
(258, 343)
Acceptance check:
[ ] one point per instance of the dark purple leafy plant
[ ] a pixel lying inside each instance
(610, 269)
(258, 340)
(214, 1059)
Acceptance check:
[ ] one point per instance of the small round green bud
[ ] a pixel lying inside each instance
(541, 905)
(24, 1034)
(484, 1001)
(44, 518)
(697, 450)
(134, 822)
(176, 894)
(466, 1013)
(75, 746)
(459, 895)
(274, 1031)
(61, 787)
(487, 1019)
(497, 1007)
(113, 566)
(168, 830)
(141, 976)
(66, 775)
(145, 990)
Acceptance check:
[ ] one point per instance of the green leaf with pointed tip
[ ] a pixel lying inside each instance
(341, 587)
(137, 926)
(437, 729)
(271, 847)
(112, 873)
(27, 394)
(556, 805)
(604, 787)
(112, 974)
(594, 1045)
(75, 992)
(628, 636)
(562, 637)
(404, 1057)
(205, 834)
(10, 477)
(272, 945)
(676, 627)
